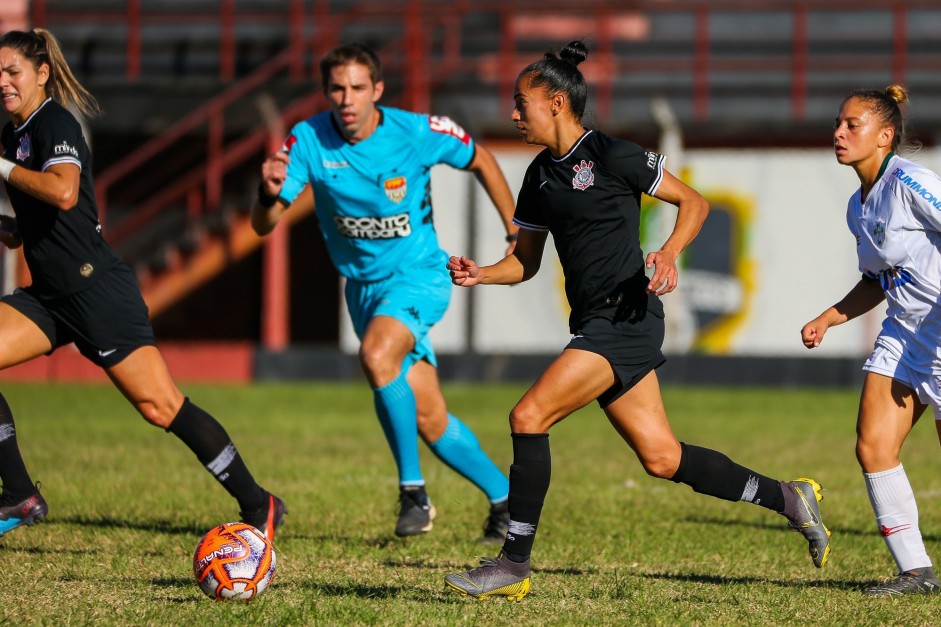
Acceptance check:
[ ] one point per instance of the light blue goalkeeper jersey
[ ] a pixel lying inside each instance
(373, 198)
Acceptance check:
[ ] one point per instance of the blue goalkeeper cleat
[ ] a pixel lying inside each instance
(16, 512)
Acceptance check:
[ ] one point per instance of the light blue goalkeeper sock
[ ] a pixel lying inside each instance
(395, 406)
(458, 448)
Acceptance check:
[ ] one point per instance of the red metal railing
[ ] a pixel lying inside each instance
(428, 43)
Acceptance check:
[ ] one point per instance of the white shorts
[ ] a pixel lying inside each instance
(887, 359)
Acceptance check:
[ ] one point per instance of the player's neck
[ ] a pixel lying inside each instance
(566, 138)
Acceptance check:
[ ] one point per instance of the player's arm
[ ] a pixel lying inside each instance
(692, 210)
(57, 185)
(520, 265)
(268, 207)
(488, 172)
(864, 296)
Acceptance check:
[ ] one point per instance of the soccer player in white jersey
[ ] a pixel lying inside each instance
(895, 216)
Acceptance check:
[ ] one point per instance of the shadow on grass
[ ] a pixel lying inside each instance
(107, 522)
(358, 590)
(727, 522)
(784, 583)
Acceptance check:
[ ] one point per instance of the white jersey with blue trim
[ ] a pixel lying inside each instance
(373, 198)
(898, 242)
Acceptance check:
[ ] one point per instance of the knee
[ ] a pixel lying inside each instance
(159, 413)
(525, 418)
(874, 456)
(378, 366)
(660, 464)
(432, 423)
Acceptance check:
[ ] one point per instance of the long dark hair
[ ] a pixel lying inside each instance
(559, 73)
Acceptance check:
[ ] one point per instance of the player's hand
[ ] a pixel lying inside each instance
(812, 333)
(665, 274)
(10, 232)
(464, 272)
(274, 170)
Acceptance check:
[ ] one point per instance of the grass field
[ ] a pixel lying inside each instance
(129, 502)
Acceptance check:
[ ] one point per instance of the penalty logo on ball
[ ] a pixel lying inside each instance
(234, 561)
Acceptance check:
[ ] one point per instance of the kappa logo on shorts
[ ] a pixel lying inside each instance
(584, 177)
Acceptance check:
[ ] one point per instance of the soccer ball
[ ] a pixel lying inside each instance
(234, 561)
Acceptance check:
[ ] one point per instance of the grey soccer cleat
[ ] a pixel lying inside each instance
(915, 581)
(415, 511)
(803, 514)
(496, 576)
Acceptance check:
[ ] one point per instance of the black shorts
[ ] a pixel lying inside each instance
(632, 347)
(108, 321)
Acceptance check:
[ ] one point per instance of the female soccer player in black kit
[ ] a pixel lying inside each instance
(585, 189)
(81, 291)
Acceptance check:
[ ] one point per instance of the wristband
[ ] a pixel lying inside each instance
(264, 199)
(512, 237)
(6, 166)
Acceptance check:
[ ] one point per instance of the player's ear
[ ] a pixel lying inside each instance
(885, 136)
(377, 91)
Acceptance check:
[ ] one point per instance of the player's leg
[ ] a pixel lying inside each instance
(455, 444)
(888, 409)
(572, 381)
(144, 380)
(640, 418)
(21, 339)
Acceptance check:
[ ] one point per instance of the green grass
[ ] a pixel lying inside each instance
(128, 504)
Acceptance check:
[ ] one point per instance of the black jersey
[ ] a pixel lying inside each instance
(589, 200)
(64, 250)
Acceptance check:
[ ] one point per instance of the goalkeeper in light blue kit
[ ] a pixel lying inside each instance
(367, 171)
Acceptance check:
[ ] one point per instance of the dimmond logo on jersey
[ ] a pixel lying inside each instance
(444, 124)
(374, 227)
(25, 147)
(396, 189)
(65, 149)
(584, 177)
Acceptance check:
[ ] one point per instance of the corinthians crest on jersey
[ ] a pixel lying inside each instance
(396, 188)
(584, 177)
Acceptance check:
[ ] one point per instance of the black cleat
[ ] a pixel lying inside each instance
(18, 512)
(497, 524)
(268, 518)
(415, 511)
(915, 581)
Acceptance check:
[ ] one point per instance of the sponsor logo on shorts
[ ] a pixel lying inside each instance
(106, 353)
(374, 227)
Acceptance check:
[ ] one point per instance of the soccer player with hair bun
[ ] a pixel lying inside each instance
(895, 216)
(585, 189)
(366, 171)
(81, 291)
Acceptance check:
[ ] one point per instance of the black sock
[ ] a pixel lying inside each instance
(529, 483)
(710, 472)
(214, 449)
(13, 474)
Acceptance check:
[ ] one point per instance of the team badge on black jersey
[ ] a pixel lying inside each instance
(584, 177)
(23, 150)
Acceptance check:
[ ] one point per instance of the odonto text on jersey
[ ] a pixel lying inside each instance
(373, 198)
